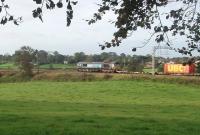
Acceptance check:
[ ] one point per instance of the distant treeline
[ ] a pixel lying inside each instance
(55, 57)
(130, 62)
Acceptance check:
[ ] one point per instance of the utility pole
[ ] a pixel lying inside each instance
(153, 61)
(37, 58)
(124, 62)
(153, 56)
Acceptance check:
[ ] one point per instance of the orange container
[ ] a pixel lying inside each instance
(179, 69)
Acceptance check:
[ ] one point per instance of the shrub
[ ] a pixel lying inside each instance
(107, 76)
(87, 77)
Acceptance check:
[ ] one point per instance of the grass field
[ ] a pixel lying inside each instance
(99, 108)
(45, 66)
(149, 70)
(8, 66)
(57, 66)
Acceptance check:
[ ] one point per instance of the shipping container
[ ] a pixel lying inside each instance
(179, 69)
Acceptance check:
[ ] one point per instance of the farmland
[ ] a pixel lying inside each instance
(57, 66)
(99, 108)
(44, 66)
(8, 66)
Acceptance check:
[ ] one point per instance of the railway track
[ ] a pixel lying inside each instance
(7, 71)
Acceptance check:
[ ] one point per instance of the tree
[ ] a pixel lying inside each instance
(58, 58)
(96, 58)
(24, 58)
(160, 67)
(38, 12)
(136, 64)
(5, 58)
(104, 56)
(79, 56)
(122, 60)
(198, 67)
(145, 14)
(131, 15)
(70, 59)
(42, 57)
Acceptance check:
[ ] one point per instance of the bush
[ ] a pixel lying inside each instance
(198, 68)
(60, 75)
(87, 77)
(107, 76)
(14, 78)
(161, 68)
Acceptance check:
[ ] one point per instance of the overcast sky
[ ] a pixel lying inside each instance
(54, 35)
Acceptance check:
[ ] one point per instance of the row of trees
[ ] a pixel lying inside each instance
(44, 57)
(26, 58)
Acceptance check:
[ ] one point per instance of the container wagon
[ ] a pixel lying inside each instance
(179, 69)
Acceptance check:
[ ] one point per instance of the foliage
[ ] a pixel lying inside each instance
(8, 17)
(107, 76)
(160, 68)
(54, 60)
(136, 64)
(72, 76)
(38, 12)
(5, 58)
(42, 57)
(79, 56)
(198, 68)
(146, 14)
(24, 59)
(132, 15)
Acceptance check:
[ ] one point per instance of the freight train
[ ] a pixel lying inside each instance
(112, 67)
(97, 67)
(179, 69)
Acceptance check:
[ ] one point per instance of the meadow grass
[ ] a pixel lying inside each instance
(149, 70)
(8, 66)
(44, 66)
(57, 66)
(99, 108)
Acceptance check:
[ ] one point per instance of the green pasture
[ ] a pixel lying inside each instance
(57, 66)
(99, 108)
(8, 66)
(45, 66)
(149, 70)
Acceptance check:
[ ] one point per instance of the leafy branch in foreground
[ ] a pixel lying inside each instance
(50, 4)
(6, 15)
(182, 21)
(38, 12)
(146, 14)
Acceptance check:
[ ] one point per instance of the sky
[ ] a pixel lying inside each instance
(53, 35)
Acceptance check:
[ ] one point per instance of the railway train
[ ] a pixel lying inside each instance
(97, 67)
(112, 67)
